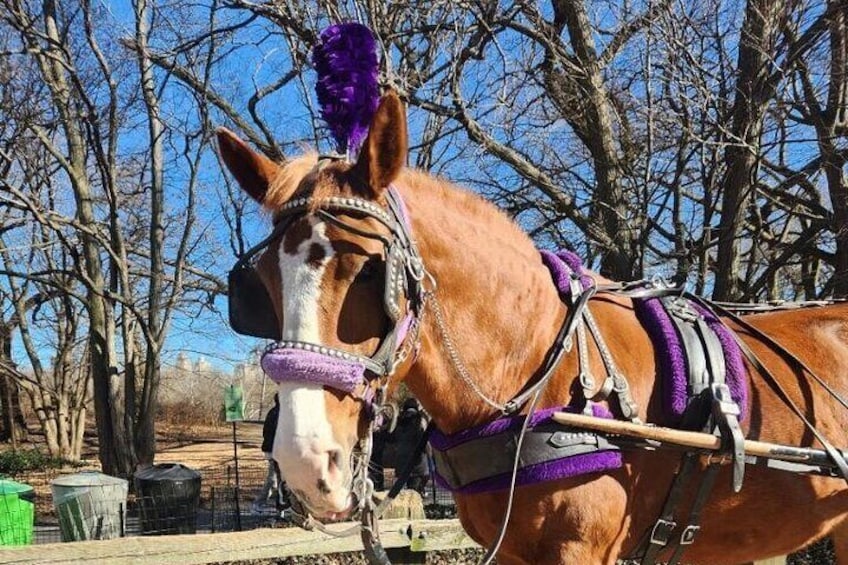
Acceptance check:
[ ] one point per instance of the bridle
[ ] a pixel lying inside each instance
(251, 311)
(366, 378)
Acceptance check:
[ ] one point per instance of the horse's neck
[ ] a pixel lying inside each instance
(499, 307)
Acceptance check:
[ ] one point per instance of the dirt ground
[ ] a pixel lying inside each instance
(207, 449)
(212, 447)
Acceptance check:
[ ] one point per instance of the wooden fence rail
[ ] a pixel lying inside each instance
(417, 535)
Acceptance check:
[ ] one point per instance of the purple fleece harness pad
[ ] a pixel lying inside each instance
(298, 365)
(480, 459)
(672, 362)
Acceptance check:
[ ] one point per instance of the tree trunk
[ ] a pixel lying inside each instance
(753, 92)
(13, 423)
(116, 455)
(586, 105)
(145, 441)
(834, 162)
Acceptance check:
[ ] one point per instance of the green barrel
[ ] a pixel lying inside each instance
(17, 513)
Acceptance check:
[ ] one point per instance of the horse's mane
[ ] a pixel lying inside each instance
(472, 205)
(288, 178)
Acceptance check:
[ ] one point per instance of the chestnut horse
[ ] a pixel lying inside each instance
(501, 313)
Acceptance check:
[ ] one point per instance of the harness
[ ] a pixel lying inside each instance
(481, 459)
(531, 442)
(503, 454)
(366, 378)
(706, 404)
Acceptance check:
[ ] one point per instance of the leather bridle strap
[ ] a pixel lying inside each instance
(561, 345)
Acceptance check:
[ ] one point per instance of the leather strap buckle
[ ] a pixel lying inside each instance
(687, 537)
(661, 532)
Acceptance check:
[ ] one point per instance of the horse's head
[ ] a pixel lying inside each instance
(342, 280)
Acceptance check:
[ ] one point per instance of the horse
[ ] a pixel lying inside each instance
(483, 333)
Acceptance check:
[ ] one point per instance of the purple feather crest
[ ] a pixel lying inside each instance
(346, 63)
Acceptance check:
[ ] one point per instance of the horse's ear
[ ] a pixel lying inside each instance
(383, 153)
(252, 170)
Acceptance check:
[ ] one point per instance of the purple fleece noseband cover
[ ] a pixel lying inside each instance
(297, 365)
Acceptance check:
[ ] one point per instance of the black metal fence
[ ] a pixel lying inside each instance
(211, 502)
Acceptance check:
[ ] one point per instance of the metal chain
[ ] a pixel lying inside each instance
(410, 344)
(455, 359)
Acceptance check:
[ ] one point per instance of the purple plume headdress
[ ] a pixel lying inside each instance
(346, 62)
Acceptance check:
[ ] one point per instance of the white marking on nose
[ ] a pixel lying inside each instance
(303, 429)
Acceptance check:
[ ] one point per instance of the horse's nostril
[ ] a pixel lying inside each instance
(335, 458)
(323, 487)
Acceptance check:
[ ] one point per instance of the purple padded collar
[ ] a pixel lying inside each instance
(297, 365)
(548, 471)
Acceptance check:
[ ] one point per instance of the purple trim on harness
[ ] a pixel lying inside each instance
(404, 212)
(669, 354)
(672, 358)
(547, 471)
(561, 265)
(297, 365)
(403, 329)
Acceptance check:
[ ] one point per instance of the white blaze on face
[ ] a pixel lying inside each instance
(303, 427)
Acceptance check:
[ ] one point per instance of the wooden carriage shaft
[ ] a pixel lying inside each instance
(696, 440)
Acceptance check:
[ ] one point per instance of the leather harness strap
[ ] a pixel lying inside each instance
(710, 408)
(491, 456)
(693, 524)
(835, 455)
(660, 534)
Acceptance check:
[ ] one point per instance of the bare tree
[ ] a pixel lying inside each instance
(641, 134)
(824, 106)
(685, 138)
(128, 249)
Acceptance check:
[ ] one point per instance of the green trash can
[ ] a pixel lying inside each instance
(17, 513)
(90, 506)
